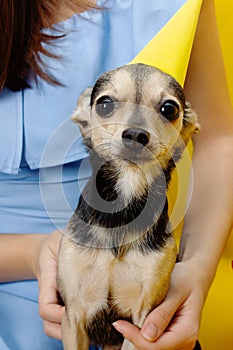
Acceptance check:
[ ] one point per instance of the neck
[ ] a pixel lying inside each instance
(104, 218)
(122, 195)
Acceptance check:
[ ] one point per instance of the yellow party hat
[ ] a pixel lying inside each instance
(170, 49)
(224, 10)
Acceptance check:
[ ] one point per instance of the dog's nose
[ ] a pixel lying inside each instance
(135, 138)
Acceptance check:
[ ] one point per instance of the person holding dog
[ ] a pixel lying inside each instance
(40, 80)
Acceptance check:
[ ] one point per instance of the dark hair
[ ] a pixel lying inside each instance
(21, 39)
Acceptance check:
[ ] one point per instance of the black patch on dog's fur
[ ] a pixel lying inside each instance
(144, 219)
(100, 329)
(100, 83)
(178, 91)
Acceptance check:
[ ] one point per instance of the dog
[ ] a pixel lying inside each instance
(117, 253)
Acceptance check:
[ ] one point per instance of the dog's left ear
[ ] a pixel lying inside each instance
(82, 113)
(190, 127)
(190, 123)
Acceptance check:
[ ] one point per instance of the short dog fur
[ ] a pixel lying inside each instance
(118, 252)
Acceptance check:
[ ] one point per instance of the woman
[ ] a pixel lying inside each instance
(32, 138)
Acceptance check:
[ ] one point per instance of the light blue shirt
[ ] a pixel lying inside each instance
(37, 138)
(95, 42)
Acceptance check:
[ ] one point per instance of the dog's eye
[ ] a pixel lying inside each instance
(104, 106)
(170, 110)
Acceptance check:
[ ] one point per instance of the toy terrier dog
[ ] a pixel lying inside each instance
(118, 252)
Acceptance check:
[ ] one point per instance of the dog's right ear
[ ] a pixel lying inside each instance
(82, 113)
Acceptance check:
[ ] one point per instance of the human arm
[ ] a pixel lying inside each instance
(31, 256)
(16, 258)
(208, 220)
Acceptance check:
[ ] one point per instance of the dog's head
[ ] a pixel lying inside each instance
(136, 113)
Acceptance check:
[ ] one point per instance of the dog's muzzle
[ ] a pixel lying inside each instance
(135, 138)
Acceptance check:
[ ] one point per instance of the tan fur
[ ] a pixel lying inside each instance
(138, 283)
(135, 280)
(164, 136)
(136, 180)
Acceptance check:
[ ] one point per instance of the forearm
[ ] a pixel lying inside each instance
(17, 256)
(209, 218)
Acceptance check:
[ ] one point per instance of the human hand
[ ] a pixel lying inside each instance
(45, 267)
(175, 323)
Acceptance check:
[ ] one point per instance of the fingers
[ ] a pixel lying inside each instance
(173, 339)
(158, 320)
(51, 313)
(154, 326)
(134, 335)
(49, 309)
(173, 325)
(53, 330)
(176, 339)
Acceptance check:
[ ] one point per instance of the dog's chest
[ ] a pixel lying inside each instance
(104, 288)
(100, 279)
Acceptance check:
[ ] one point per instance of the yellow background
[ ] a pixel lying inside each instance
(224, 10)
(163, 52)
(217, 321)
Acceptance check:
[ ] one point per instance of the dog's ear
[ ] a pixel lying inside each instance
(82, 113)
(190, 127)
(190, 117)
(190, 123)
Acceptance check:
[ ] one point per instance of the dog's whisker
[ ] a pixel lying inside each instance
(109, 133)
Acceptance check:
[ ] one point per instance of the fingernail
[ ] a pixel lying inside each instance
(150, 332)
(118, 327)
